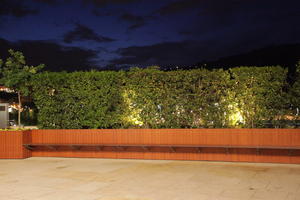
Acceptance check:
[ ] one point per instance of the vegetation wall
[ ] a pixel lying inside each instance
(247, 97)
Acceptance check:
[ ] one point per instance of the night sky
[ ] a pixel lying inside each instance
(79, 34)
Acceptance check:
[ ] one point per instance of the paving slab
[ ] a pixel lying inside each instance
(125, 179)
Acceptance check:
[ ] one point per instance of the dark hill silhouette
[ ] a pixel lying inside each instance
(285, 55)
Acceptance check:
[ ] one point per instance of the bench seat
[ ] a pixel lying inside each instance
(55, 146)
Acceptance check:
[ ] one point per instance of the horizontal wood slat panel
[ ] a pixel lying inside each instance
(11, 144)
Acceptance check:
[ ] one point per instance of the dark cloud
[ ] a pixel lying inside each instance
(220, 12)
(178, 6)
(166, 53)
(95, 3)
(53, 55)
(253, 21)
(101, 13)
(49, 2)
(15, 8)
(222, 44)
(102, 3)
(185, 32)
(134, 20)
(82, 33)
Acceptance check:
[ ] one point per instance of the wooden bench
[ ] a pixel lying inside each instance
(147, 147)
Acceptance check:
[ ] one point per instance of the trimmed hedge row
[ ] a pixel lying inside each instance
(150, 98)
(78, 100)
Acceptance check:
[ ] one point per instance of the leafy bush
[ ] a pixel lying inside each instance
(176, 99)
(259, 94)
(78, 100)
(150, 98)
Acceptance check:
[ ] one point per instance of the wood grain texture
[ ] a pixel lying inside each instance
(11, 144)
(247, 137)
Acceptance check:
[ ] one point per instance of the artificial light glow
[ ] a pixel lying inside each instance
(133, 117)
(235, 117)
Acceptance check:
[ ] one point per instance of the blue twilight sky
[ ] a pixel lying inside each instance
(66, 33)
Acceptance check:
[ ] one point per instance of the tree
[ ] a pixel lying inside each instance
(16, 75)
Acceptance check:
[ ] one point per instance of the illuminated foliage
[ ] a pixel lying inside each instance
(258, 93)
(150, 98)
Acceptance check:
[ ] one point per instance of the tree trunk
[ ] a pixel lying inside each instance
(19, 110)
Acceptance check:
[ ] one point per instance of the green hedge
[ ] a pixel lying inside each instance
(176, 99)
(259, 94)
(150, 98)
(78, 100)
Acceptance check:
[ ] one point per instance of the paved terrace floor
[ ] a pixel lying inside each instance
(108, 179)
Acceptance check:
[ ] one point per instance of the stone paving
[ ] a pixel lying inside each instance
(109, 179)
